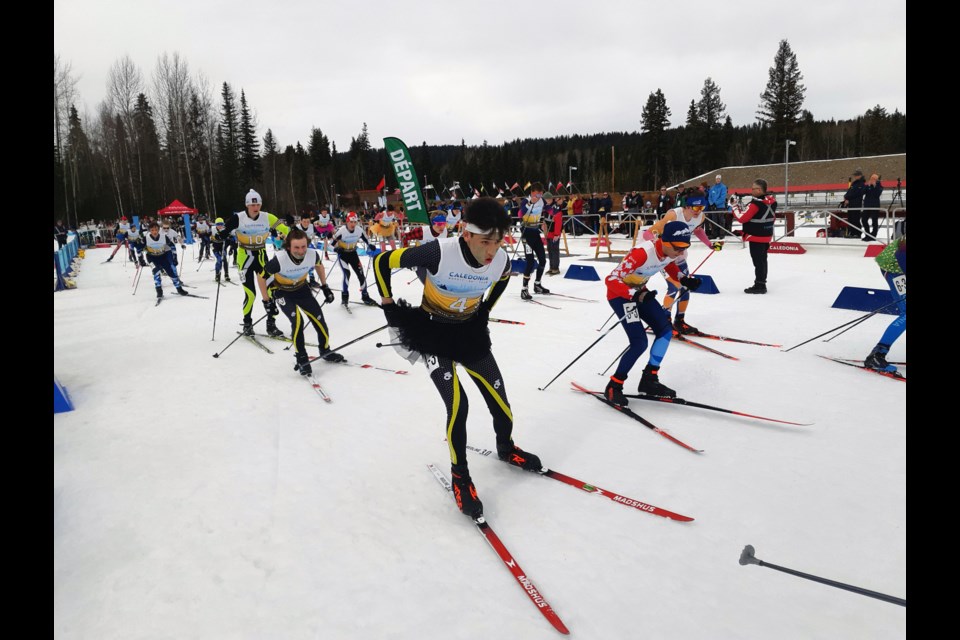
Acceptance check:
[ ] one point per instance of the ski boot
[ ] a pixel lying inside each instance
(464, 491)
(345, 299)
(614, 392)
(367, 300)
(877, 361)
(331, 356)
(272, 329)
(650, 384)
(514, 455)
(247, 327)
(525, 294)
(182, 291)
(681, 327)
(159, 292)
(303, 365)
(540, 289)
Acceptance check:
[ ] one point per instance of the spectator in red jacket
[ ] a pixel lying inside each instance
(553, 228)
(757, 223)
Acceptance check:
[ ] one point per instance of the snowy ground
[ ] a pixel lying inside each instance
(221, 498)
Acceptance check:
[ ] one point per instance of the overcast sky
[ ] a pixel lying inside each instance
(442, 70)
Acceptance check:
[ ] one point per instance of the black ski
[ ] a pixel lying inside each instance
(626, 411)
(699, 405)
(896, 375)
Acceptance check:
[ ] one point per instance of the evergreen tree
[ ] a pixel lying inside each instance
(251, 170)
(149, 169)
(782, 101)
(271, 155)
(711, 112)
(654, 121)
(228, 149)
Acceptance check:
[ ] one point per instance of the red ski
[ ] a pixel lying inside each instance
(501, 550)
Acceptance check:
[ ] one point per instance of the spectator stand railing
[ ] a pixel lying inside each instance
(62, 260)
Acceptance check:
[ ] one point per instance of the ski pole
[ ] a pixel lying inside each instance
(606, 321)
(747, 557)
(855, 320)
(347, 344)
(202, 258)
(614, 361)
(860, 321)
(602, 336)
(137, 282)
(216, 304)
(217, 355)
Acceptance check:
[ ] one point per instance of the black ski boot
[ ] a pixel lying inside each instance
(683, 328)
(538, 288)
(345, 299)
(303, 365)
(614, 392)
(247, 327)
(512, 454)
(367, 300)
(758, 287)
(143, 262)
(464, 491)
(272, 329)
(650, 384)
(159, 292)
(525, 294)
(877, 360)
(182, 291)
(331, 356)
(226, 276)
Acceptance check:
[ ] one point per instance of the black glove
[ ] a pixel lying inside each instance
(641, 294)
(392, 313)
(327, 293)
(483, 313)
(691, 283)
(270, 306)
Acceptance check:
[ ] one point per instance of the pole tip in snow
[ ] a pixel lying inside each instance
(747, 556)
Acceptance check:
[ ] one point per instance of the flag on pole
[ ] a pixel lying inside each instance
(382, 183)
(429, 186)
(482, 188)
(406, 175)
(527, 186)
(476, 194)
(515, 185)
(550, 186)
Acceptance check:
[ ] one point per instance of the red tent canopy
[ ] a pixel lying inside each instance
(175, 208)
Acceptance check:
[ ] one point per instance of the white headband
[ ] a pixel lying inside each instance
(472, 228)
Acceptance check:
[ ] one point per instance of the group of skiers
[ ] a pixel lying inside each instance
(463, 278)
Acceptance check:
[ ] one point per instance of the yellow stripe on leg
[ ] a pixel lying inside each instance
(497, 397)
(453, 415)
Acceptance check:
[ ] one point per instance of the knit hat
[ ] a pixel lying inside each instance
(439, 218)
(253, 198)
(351, 217)
(676, 231)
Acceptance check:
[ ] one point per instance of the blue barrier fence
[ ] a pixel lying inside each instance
(62, 259)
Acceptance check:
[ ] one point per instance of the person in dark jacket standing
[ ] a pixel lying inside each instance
(757, 223)
(664, 202)
(870, 220)
(853, 202)
(60, 234)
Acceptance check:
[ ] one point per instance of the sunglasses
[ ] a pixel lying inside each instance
(698, 207)
(679, 246)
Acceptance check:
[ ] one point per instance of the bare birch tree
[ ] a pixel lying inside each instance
(64, 94)
(173, 88)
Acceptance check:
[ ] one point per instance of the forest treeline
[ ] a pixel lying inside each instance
(178, 137)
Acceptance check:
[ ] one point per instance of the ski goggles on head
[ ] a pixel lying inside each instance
(679, 246)
(696, 203)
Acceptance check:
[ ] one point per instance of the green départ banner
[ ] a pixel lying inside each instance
(413, 203)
